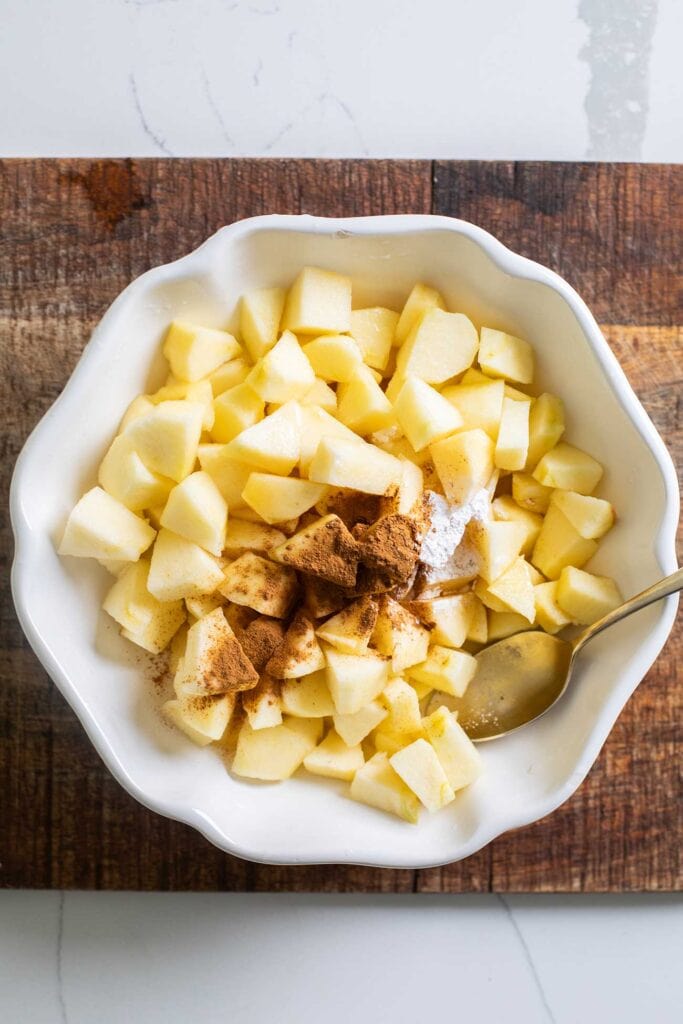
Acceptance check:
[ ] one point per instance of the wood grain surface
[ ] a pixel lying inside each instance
(73, 233)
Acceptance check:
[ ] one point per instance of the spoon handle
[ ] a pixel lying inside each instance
(669, 585)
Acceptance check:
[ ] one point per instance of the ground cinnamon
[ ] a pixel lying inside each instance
(325, 549)
(391, 547)
(228, 667)
(261, 639)
(299, 642)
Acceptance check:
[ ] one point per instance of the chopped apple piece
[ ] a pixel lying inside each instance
(559, 544)
(197, 510)
(498, 544)
(458, 756)
(549, 615)
(320, 396)
(214, 661)
(464, 463)
(199, 391)
(321, 597)
(202, 719)
(477, 632)
(274, 444)
(591, 517)
(234, 410)
(242, 536)
(419, 767)
(513, 588)
(529, 494)
(363, 406)
(229, 475)
(99, 526)
(409, 492)
(315, 425)
(325, 549)
(398, 634)
(446, 669)
(421, 299)
(351, 628)
(262, 704)
(373, 331)
(278, 498)
(546, 427)
(319, 302)
(140, 406)
(513, 435)
(283, 372)
(439, 346)
(270, 754)
(506, 510)
(354, 464)
(404, 709)
(334, 356)
(124, 475)
(585, 597)
(299, 654)
(194, 352)
(228, 375)
(479, 405)
(354, 728)
(334, 759)
(308, 697)
(259, 584)
(569, 468)
(131, 605)
(166, 438)
(424, 415)
(505, 624)
(449, 618)
(353, 680)
(198, 607)
(180, 568)
(504, 355)
(377, 784)
(260, 315)
(161, 629)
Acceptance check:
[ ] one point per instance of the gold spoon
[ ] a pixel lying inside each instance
(520, 678)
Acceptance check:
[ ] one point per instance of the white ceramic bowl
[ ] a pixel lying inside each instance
(308, 820)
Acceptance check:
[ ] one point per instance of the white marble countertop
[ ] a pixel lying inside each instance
(536, 79)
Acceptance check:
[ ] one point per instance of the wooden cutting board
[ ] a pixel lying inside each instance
(73, 233)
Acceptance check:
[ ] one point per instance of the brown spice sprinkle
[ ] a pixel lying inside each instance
(322, 598)
(228, 669)
(299, 641)
(372, 581)
(325, 549)
(267, 688)
(391, 546)
(351, 506)
(261, 639)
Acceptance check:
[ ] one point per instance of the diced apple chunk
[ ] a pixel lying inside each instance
(355, 464)
(266, 587)
(260, 315)
(299, 654)
(373, 331)
(353, 680)
(202, 719)
(128, 601)
(504, 355)
(559, 545)
(549, 616)
(319, 302)
(315, 425)
(197, 510)
(424, 415)
(198, 607)
(546, 427)
(270, 754)
(320, 395)
(194, 352)
(440, 345)
(377, 784)
(419, 767)
(479, 405)
(505, 509)
(166, 438)
(334, 357)
(591, 517)
(242, 536)
(478, 629)
(504, 624)
(274, 444)
(529, 494)
(458, 756)
(325, 548)
(283, 372)
(334, 759)
(181, 568)
(355, 727)
(421, 299)
(569, 468)
(140, 406)
(228, 375)
(449, 617)
(363, 406)
(513, 435)
(464, 463)
(498, 545)
(514, 589)
(308, 697)
(262, 704)
(230, 475)
(199, 391)
(585, 597)
(278, 498)
(99, 526)
(213, 661)
(403, 706)
(351, 628)
(446, 669)
(124, 475)
(399, 635)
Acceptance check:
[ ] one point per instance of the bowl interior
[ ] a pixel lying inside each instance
(526, 774)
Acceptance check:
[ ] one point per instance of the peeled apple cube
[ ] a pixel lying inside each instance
(449, 618)
(260, 315)
(355, 727)
(229, 475)
(316, 424)
(404, 708)
(505, 624)
(507, 510)
(569, 468)
(420, 769)
(228, 375)
(529, 494)
(124, 475)
(319, 302)
(464, 463)
(334, 357)
(421, 299)
(353, 680)
(308, 697)
(257, 583)
(512, 444)
(274, 444)
(457, 755)
(128, 601)
(270, 754)
(156, 635)
(362, 405)
(194, 352)
(277, 498)
(410, 488)
(424, 415)
(299, 654)
(202, 719)
(439, 346)
(549, 616)
(351, 628)
(137, 408)
(479, 405)
(262, 704)
(504, 355)
(197, 510)
(591, 517)
(213, 661)
(498, 544)
(377, 784)
(242, 536)
(283, 372)
(99, 526)
(446, 669)
(166, 439)
(585, 597)
(321, 396)
(200, 392)
(234, 410)
(355, 464)
(559, 545)
(198, 607)
(180, 568)
(399, 635)
(546, 427)
(373, 331)
(514, 589)
(333, 759)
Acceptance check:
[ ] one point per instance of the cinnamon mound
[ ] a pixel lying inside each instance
(391, 547)
(261, 639)
(325, 549)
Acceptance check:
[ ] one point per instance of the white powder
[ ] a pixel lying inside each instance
(447, 525)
